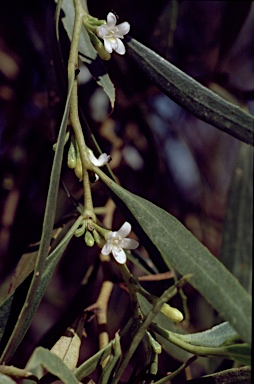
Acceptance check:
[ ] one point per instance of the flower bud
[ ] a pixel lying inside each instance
(78, 169)
(98, 238)
(104, 55)
(89, 239)
(72, 157)
(154, 344)
(172, 313)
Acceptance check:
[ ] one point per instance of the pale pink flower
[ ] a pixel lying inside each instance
(117, 242)
(112, 34)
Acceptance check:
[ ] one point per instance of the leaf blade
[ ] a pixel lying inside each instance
(193, 96)
(182, 251)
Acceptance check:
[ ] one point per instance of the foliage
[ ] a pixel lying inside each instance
(85, 201)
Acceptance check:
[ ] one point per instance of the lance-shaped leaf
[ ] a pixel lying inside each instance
(27, 312)
(183, 252)
(193, 96)
(240, 352)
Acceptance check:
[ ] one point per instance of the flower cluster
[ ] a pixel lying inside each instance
(117, 242)
(112, 34)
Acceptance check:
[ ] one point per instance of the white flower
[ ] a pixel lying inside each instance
(102, 159)
(116, 242)
(112, 33)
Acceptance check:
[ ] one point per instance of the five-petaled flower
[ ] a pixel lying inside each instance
(112, 34)
(117, 242)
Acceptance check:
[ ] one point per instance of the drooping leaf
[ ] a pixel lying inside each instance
(183, 252)
(237, 245)
(87, 52)
(52, 364)
(193, 96)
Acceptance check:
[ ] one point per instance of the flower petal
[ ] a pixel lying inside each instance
(123, 29)
(111, 19)
(120, 49)
(102, 159)
(108, 46)
(124, 230)
(129, 244)
(106, 249)
(102, 30)
(120, 256)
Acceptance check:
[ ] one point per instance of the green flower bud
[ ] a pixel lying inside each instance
(98, 238)
(72, 156)
(78, 169)
(89, 239)
(154, 344)
(172, 313)
(98, 45)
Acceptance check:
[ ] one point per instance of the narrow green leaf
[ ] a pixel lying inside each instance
(91, 364)
(182, 251)
(87, 52)
(193, 96)
(52, 364)
(236, 252)
(27, 312)
(238, 352)
(51, 263)
(213, 337)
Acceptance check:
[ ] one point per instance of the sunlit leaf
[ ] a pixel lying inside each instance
(183, 252)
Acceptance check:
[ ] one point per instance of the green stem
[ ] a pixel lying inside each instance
(131, 283)
(74, 114)
(167, 295)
